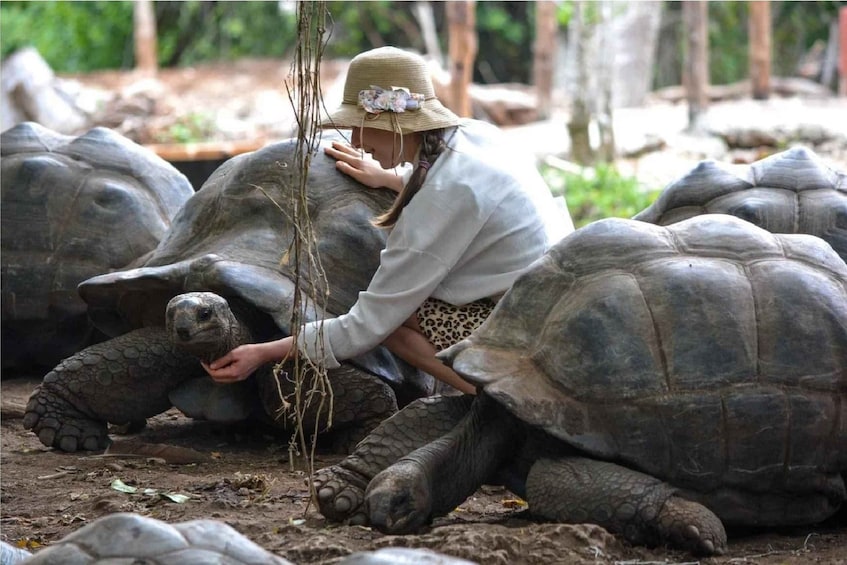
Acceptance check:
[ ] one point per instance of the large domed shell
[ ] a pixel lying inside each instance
(790, 192)
(706, 352)
(235, 237)
(72, 207)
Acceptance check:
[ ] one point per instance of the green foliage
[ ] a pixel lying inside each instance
(71, 36)
(191, 128)
(86, 36)
(193, 32)
(728, 44)
(598, 193)
(357, 26)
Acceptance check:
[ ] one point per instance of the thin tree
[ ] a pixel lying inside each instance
(544, 63)
(760, 48)
(144, 37)
(580, 48)
(695, 14)
(461, 26)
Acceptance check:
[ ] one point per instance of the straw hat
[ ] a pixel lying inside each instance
(390, 89)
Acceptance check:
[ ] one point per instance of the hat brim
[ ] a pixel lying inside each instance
(431, 115)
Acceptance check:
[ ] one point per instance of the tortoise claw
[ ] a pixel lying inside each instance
(341, 495)
(58, 424)
(692, 526)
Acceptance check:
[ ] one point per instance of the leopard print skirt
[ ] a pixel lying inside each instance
(444, 324)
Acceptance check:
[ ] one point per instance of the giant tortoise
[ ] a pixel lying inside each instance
(227, 268)
(789, 192)
(72, 208)
(658, 381)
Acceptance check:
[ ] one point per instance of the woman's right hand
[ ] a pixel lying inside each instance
(242, 361)
(363, 167)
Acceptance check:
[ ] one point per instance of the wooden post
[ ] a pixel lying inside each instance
(760, 48)
(842, 49)
(144, 35)
(461, 18)
(695, 14)
(544, 63)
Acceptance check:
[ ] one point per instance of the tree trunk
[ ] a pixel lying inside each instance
(696, 75)
(579, 34)
(461, 18)
(760, 48)
(544, 63)
(144, 32)
(605, 65)
(842, 49)
(426, 21)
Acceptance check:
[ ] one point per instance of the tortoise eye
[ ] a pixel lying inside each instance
(204, 314)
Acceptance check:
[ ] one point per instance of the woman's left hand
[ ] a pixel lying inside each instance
(363, 167)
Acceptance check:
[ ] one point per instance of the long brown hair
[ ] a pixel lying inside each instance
(433, 143)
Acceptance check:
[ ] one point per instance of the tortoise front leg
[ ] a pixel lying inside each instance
(341, 488)
(642, 508)
(434, 479)
(125, 379)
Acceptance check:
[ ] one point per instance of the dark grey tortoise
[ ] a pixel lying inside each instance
(72, 208)
(227, 269)
(789, 192)
(658, 381)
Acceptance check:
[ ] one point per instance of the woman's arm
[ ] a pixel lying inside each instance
(242, 361)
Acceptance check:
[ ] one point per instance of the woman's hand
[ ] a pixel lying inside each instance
(242, 361)
(363, 167)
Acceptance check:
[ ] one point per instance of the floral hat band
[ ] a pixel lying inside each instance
(377, 100)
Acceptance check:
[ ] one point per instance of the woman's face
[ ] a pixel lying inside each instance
(384, 146)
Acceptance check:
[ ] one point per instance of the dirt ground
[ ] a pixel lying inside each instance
(247, 481)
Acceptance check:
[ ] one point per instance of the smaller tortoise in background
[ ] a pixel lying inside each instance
(225, 271)
(790, 192)
(72, 208)
(657, 381)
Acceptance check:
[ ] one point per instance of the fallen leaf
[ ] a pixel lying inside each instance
(119, 485)
(513, 503)
(178, 498)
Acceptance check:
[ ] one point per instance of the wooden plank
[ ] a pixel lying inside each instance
(204, 151)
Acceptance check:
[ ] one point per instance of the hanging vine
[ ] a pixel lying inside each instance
(312, 390)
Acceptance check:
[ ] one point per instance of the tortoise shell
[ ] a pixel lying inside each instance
(789, 192)
(708, 352)
(72, 208)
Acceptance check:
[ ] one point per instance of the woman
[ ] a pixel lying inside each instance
(469, 217)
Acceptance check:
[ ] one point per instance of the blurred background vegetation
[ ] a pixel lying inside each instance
(97, 35)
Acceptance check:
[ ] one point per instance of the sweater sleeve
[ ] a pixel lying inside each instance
(431, 235)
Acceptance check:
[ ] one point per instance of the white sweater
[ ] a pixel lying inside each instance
(482, 216)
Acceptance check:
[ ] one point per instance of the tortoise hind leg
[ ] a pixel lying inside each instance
(642, 508)
(125, 379)
(341, 488)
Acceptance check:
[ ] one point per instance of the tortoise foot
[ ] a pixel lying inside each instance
(341, 495)
(58, 424)
(692, 526)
